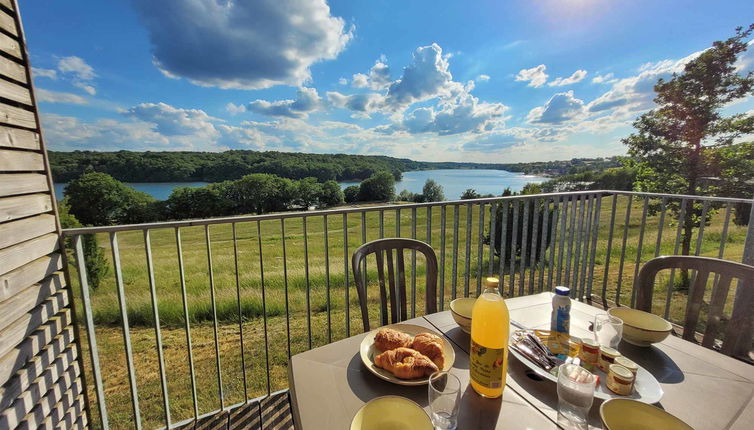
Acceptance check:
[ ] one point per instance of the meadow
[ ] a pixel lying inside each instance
(303, 302)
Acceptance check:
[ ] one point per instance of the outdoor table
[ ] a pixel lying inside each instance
(706, 389)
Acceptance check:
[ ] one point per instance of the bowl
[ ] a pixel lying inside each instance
(461, 311)
(627, 414)
(391, 412)
(641, 328)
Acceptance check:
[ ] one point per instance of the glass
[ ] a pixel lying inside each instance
(608, 330)
(444, 400)
(575, 396)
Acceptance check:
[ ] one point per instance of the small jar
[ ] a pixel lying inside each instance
(620, 380)
(628, 364)
(606, 358)
(589, 353)
(574, 346)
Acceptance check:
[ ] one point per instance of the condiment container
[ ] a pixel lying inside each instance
(628, 364)
(589, 353)
(620, 380)
(574, 346)
(560, 319)
(606, 358)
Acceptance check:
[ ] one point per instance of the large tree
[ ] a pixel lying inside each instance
(676, 143)
(99, 199)
(379, 187)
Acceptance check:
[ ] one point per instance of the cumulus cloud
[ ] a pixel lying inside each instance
(483, 78)
(360, 103)
(561, 107)
(78, 67)
(536, 76)
(606, 78)
(343, 81)
(360, 80)
(242, 44)
(66, 132)
(173, 121)
(426, 77)
(48, 96)
(491, 142)
(577, 76)
(307, 101)
(89, 89)
(44, 73)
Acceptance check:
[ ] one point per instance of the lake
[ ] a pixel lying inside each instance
(453, 181)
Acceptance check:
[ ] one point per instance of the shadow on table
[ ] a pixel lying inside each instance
(656, 362)
(477, 412)
(367, 386)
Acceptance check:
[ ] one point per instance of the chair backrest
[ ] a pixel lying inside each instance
(396, 277)
(743, 307)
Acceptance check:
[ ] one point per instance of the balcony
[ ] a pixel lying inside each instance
(196, 320)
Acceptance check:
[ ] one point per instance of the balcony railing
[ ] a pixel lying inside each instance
(197, 317)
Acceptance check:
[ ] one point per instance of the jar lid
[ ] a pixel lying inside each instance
(621, 372)
(609, 351)
(627, 363)
(590, 342)
(562, 291)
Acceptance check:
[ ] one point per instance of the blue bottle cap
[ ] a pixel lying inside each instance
(563, 291)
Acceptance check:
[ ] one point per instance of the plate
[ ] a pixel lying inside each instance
(368, 352)
(391, 412)
(626, 414)
(646, 388)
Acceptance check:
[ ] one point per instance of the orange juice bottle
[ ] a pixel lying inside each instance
(489, 341)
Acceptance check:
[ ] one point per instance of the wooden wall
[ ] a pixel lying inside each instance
(40, 369)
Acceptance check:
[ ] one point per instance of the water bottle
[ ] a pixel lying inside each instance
(560, 320)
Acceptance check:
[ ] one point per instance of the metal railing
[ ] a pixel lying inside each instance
(246, 282)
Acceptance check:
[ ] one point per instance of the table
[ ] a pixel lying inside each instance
(702, 387)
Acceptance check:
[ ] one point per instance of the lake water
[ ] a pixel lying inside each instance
(454, 182)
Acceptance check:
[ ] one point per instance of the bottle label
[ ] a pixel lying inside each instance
(486, 365)
(563, 319)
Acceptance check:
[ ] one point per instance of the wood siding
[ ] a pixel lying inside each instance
(41, 384)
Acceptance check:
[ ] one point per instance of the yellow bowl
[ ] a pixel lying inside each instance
(461, 311)
(628, 414)
(391, 413)
(641, 328)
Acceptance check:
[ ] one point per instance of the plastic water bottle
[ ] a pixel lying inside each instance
(560, 320)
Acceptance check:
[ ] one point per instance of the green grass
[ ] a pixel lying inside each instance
(305, 311)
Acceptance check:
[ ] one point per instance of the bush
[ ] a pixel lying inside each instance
(520, 237)
(351, 193)
(99, 199)
(95, 261)
(406, 196)
(470, 193)
(432, 192)
(379, 187)
(332, 194)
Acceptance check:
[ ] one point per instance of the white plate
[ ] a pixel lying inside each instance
(368, 352)
(646, 388)
(391, 412)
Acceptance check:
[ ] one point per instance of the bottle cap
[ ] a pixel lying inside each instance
(491, 282)
(562, 291)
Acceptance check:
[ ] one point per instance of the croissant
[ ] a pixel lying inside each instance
(431, 346)
(388, 338)
(405, 363)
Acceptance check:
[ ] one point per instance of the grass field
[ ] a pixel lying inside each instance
(309, 295)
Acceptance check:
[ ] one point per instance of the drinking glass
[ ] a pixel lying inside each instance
(444, 400)
(608, 330)
(575, 396)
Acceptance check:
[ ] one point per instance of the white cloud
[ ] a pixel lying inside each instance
(536, 76)
(77, 67)
(65, 132)
(47, 96)
(360, 80)
(360, 103)
(89, 89)
(561, 107)
(426, 77)
(307, 101)
(343, 81)
(577, 76)
(607, 78)
(171, 121)
(483, 78)
(242, 44)
(44, 73)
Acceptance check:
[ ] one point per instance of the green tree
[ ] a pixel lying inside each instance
(379, 187)
(406, 196)
(332, 194)
(351, 193)
(308, 192)
(260, 193)
(99, 199)
(675, 144)
(432, 191)
(95, 261)
(196, 202)
(469, 194)
(735, 165)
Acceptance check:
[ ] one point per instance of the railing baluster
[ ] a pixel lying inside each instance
(596, 224)
(661, 225)
(214, 317)
(429, 225)
(671, 282)
(186, 319)
(503, 239)
(327, 277)
(561, 245)
(345, 271)
(556, 208)
(413, 264)
(126, 330)
(264, 306)
(363, 241)
(467, 267)
(90, 332)
(382, 224)
(702, 222)
(493, 228)
(514, 245)
(443, 220)
(308, 285)
(398, 222)
(285, 287)
(480, 250)
(577, 202)
(609, 249)
(623, 248)
(157, 328)
(524, 241)
(240, 311)
(534, 236)
(635, 288)
(454, 281)
(543, 243)
(583, 257)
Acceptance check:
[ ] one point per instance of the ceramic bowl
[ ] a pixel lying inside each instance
(461, 311)
(641, 328)
(391, 412)
(626, 414)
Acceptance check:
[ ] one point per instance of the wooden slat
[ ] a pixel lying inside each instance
(8, 4)
(14, 161)
(57, 333)
(10, 46)
(60, 418)
(17, 280)
(22, 230)
(19, 139)
(20, 207)
(17, 116)
(15, 92)
(15, 333)
(22, 183)
(25, 252)
(7, 23)
(82, 422)
(12, 70)
(23, 302)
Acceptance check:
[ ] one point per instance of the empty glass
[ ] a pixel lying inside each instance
(608, 330)
(575, 396)
(444, 400)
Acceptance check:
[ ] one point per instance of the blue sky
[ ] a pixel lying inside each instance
(487, 81)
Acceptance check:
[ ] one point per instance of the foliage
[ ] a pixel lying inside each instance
(612, 178)
(406, 196)
(379, 187)
(470, 193)
(332, 194)
(432, 191)
(351, 193)
(95, 261)
(308, 192)
(260, 193)
(99, 199)
(735, 165)
(197, 202)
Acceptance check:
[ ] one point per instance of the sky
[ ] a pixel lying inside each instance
(482, 80)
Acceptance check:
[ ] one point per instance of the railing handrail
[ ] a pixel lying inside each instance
(392, 206)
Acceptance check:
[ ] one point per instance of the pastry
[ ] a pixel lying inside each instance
(431, 346)
(405, 363)
(388, 338)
